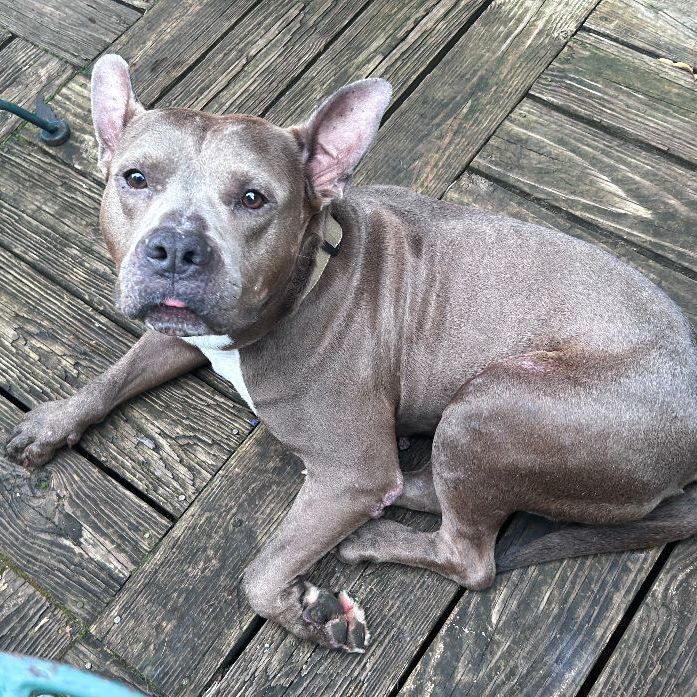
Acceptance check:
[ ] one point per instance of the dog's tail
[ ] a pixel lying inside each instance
(673, 519)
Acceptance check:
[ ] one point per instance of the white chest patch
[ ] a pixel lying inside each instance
(225, 362)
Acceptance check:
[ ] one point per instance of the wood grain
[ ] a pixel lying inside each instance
(167, 443)
(74, 531)
(602, 180)
(181, 613)
(657, 654)
(88, 654)
(26, 71)
(667, 28)
(256, 60)
(172, 36)
(391, 40)
(76, 31)
(540, 629)
(256, 66)
(634, 95)
(29, 624)
(429, 141)
(474, 190)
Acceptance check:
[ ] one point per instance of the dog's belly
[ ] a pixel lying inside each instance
(225, 362)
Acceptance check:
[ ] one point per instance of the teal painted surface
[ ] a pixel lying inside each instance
(23, 676)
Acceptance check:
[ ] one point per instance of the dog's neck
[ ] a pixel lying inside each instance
(329, 246)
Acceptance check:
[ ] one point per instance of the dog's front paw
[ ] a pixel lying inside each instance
(43, 430)
(337, 619)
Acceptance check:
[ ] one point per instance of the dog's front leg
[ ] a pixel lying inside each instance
(153, 360)
(332, 503)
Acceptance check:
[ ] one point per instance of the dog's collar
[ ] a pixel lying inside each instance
(329, 247)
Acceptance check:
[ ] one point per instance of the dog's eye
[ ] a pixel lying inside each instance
(135, 179)
(253, 199)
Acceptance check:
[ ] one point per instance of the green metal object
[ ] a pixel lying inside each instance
(54, 131)
(23, 676)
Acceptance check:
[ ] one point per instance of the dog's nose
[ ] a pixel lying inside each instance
(170, 251)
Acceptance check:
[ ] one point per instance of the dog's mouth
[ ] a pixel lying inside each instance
(174, 318)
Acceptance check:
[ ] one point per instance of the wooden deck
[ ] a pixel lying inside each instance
(125, 555)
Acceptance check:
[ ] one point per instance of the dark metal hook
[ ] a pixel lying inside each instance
(54, 131)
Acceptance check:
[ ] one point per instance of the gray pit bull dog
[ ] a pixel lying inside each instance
(554, 378)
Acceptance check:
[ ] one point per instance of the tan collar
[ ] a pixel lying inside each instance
(329, 247)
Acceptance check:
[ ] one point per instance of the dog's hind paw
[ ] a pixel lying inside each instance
(338, 618)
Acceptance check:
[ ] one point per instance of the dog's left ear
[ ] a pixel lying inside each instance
(339, 133)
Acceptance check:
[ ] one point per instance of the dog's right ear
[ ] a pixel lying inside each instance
(114, 104)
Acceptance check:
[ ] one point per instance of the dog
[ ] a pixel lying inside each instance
(554, 378)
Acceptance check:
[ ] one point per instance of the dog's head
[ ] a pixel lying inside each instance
(210, 218)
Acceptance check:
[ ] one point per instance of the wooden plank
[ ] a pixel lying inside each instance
(466, 96)
(89, 654)
(541, 627)
(76, 31)
(391, 40)
(253, 56)
(657, 654)
(71, 529)
(252, 66)
(269, 49)
(26, 71)
(474, 190)
(184, 610)
(29, 624)
(172, 36)
(667, 28)
(167, 443)
(615, 87)
(602, 180)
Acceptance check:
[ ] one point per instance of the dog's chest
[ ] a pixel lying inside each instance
(225, 362)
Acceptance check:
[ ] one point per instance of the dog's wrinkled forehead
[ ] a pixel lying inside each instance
(208, 150)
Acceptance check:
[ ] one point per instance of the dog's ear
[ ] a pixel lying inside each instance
(114, 104)
(339, 133)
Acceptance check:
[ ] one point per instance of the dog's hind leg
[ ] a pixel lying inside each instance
(419, 494)
(567, 436)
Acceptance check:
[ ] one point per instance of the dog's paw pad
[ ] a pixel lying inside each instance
(337, 618)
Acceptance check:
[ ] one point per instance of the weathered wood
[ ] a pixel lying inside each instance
(428, 142)
(167, 443)
(270, 50)
(474, 190)
(26, 71)
(394, 41)
(657, 654)
(540, 628)
(76, 31)
(89, 654)
(181, 613)
(607, 182)
(72, 529)
(615, 87)
(172, 36)
(253, 65)
(29, 624)
(49, 218)
(667, 28)
(252, 58)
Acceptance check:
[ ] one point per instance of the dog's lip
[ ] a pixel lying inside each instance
(174, 302)
(175, 319)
